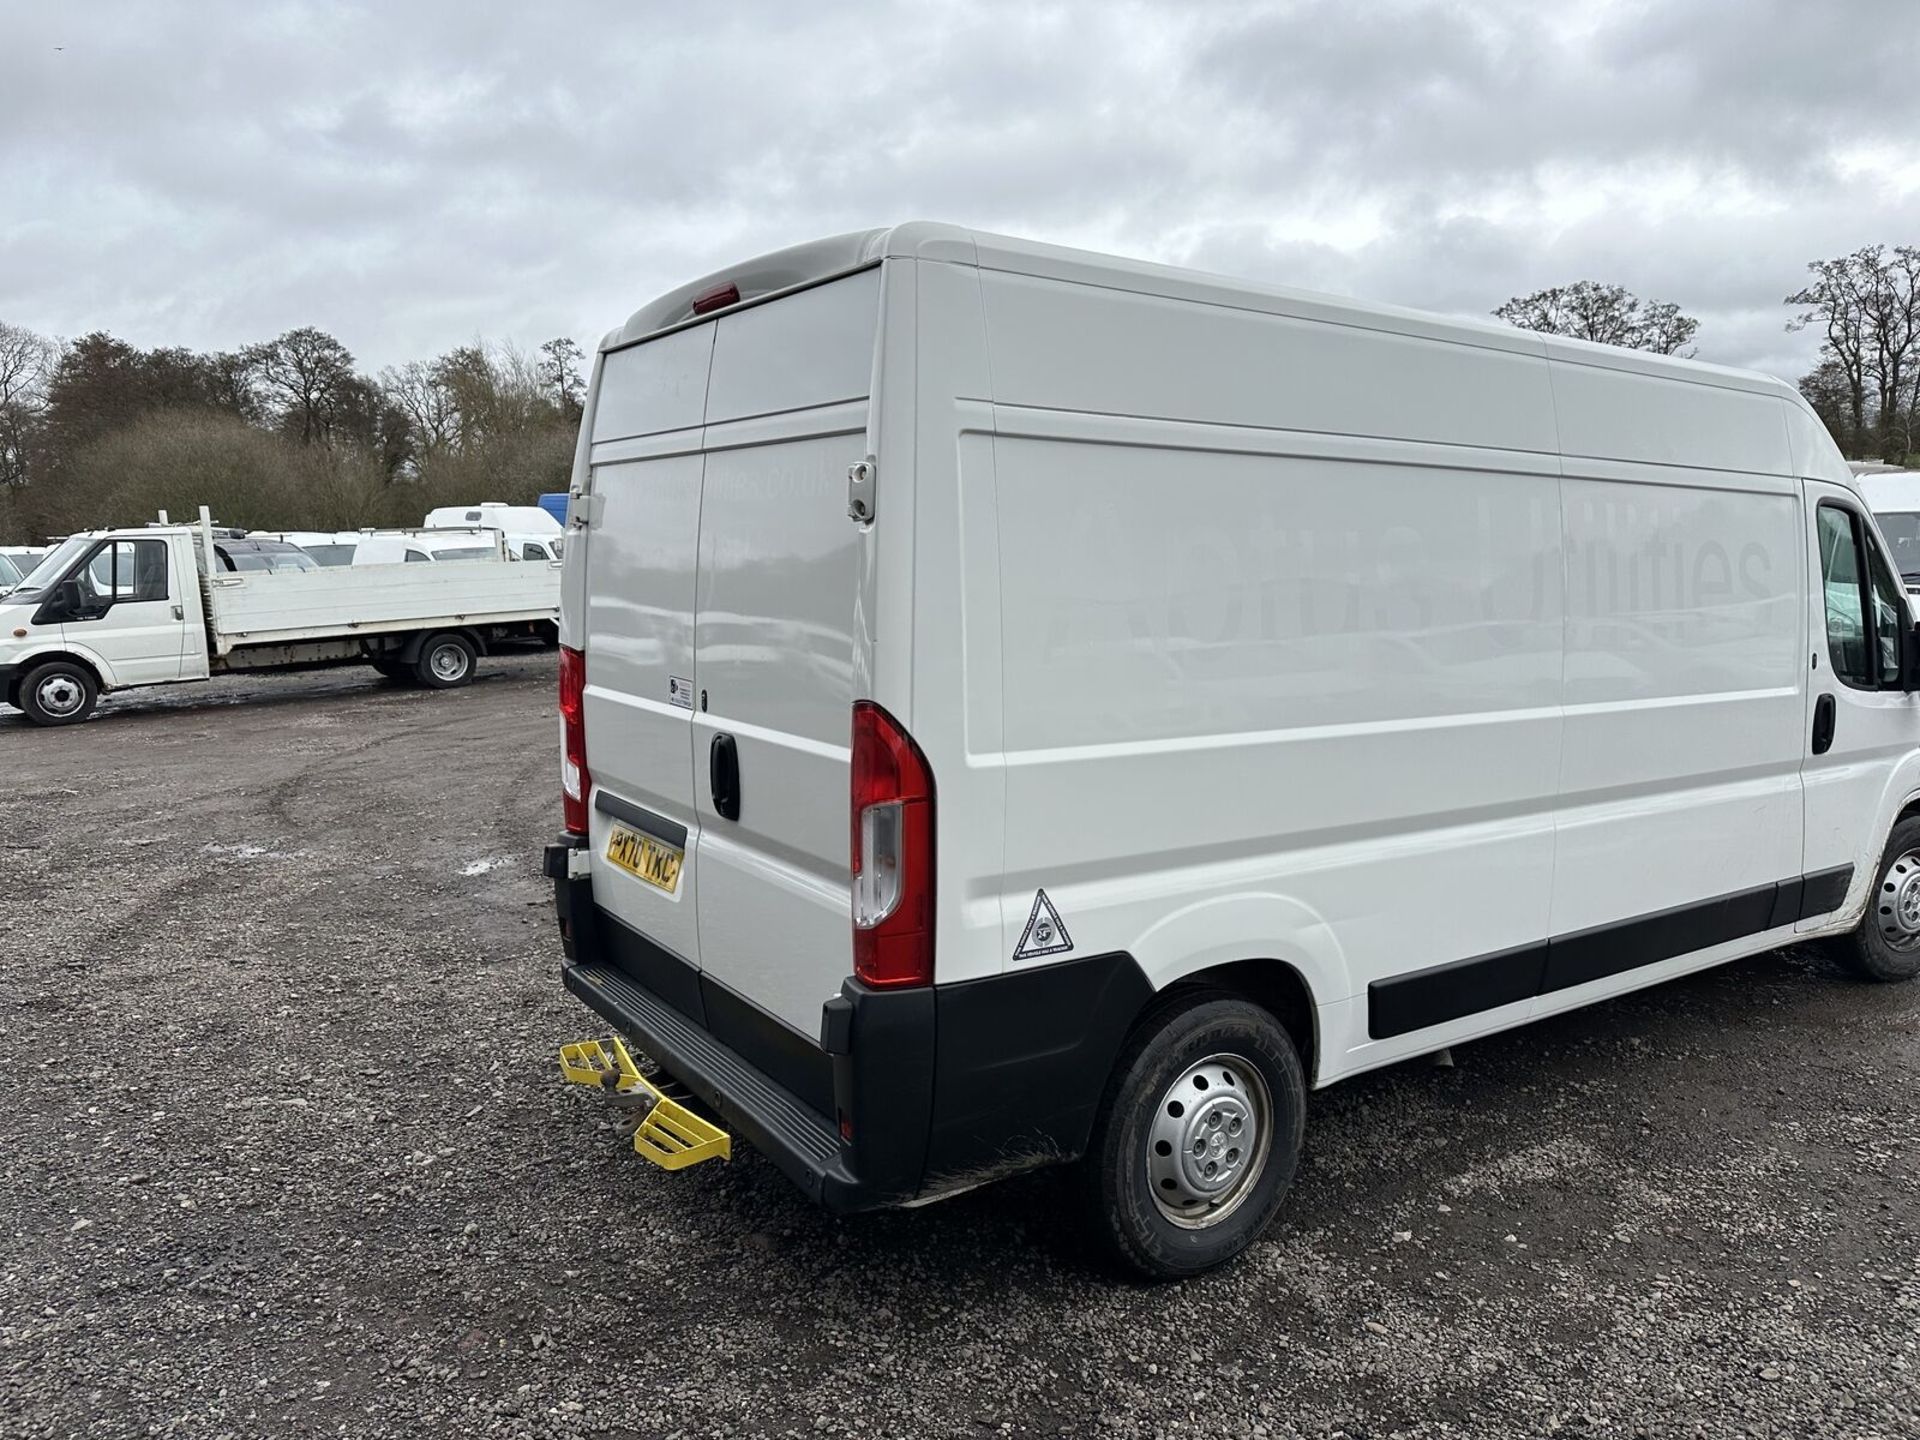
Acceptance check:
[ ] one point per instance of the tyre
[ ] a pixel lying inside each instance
(446, 660)
(59, 692)
(1197, 1137)
(1887, 944)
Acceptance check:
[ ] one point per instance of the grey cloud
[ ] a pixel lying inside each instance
(412, 176)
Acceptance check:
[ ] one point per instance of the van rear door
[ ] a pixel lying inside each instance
(639, 601)
(779, 570)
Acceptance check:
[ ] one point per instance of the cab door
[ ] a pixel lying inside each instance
(1861, 721)
(129, 610)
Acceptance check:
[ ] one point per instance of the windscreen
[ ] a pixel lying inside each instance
(465, 552)
(330, 554)
(52, 567)
(1902, 529)
(9, 572)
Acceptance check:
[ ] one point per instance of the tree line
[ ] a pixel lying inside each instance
(290, 434)
(1864, 306)
(285, 434)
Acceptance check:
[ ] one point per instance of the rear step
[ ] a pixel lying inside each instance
(665, 1131)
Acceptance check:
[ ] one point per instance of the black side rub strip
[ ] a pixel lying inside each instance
(1485, 982)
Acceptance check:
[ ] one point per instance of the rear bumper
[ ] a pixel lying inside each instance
(906, 1094)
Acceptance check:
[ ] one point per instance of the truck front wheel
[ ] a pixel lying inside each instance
(1197, 1138)
(446, 660)
(59, 692)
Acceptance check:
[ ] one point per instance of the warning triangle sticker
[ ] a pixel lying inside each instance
(1044, 935)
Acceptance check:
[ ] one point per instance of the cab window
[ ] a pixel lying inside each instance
(124, 570)
(1865, 607)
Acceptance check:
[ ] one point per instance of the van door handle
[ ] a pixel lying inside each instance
(723, 776)
(179, 613)
(1822, 724)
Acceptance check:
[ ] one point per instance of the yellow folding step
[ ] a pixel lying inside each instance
(667, 1134)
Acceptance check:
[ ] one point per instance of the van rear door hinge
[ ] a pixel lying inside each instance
(860, 477)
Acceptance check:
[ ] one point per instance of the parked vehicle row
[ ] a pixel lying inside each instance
(1022, 706)
(158, 605)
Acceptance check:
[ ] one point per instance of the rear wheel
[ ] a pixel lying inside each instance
(1197, 1138)
(59, 692)
(1887, 944)
(446, 660)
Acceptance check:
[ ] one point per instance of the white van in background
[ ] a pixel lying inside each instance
(407, 547)
(327, 547)
(1894, 496)
(1023, 706)
(515, 519)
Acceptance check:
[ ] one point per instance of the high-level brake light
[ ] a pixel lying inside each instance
(718, 298)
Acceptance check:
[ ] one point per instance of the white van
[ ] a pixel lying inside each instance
(409, 547)
(1894, 497)
(1023, 706)
(520, 519)
(327, 547)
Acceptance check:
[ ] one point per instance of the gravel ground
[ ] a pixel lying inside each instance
(284, 1152)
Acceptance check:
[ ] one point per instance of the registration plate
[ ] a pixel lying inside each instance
(653, 861)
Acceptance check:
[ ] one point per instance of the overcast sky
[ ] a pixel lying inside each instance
(411, 175)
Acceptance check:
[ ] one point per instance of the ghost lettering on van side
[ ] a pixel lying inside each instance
(1270, 582)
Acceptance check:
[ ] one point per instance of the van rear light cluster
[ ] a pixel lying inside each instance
(892, 853)
(575, 782)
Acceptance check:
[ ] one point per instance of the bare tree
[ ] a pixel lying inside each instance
(1608, 314)
(27, 363)
(1867, 308)
(307, 378)
(433, 419)
(560, 376)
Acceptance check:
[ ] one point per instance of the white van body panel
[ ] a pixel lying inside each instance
(1252, 626)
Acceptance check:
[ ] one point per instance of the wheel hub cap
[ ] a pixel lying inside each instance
(448, 662)
(1898, 910)
(59, 696)
(1208, 1141)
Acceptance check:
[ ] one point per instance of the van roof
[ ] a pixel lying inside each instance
(799, 266)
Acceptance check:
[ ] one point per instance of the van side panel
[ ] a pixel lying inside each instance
(1269, 688)
(1686, 692)
(1098, 351)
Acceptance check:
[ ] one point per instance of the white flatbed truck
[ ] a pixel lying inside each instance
(111, 610)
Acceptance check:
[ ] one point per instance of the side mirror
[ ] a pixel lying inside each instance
(1910, 657)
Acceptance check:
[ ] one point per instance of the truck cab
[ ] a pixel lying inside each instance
(104, 611)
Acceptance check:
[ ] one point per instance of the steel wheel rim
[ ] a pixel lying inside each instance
(1207, 1144)
(1897, 910)
(449, 662)
(59, 695)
